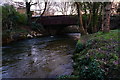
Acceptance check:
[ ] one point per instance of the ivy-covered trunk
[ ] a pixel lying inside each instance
(106, 21)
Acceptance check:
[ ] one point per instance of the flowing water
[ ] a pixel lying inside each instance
(45, 57)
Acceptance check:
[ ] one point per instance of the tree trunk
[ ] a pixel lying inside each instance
(42, 12)
(82, 30)
(95, 17)
(28, 12)
(107, 13)
(44, 9)
(86, 19)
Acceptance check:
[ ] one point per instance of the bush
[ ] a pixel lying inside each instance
(79, 46)
(90, 68)
(22, 19)
(11, 18)
(8, 16)
(100, 57)
(67, 77)
(89, 43)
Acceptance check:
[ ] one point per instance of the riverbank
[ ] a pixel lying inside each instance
(20, 33)
(24, 32)
(97, 56)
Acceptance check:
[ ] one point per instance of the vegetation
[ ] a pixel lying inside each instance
(96, 16)
(37, 27)
(11, 23)
(97, 52)
(11, 18)
(100, 57)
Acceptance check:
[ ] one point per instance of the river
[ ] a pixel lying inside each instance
(44, 57)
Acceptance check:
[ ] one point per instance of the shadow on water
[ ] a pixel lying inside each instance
(45, 57)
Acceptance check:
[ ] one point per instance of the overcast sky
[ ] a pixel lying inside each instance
(33, 7)
(64, 0)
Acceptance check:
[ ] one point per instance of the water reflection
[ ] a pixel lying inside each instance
(46, 57)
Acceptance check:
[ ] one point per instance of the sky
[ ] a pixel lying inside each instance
(64, 0)
(75, 0)
(33, 7)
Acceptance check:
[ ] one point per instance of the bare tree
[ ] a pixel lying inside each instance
(63, 7)
(50, 9)
(73, 9)
(41, 8)
(28, 6)
(45, 7)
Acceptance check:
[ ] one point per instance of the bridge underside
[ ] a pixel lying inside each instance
(54, 29)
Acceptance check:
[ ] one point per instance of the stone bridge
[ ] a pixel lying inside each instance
(54, 24)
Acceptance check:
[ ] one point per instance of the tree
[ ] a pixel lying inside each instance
(73, 9)
(28, 12)
(79, 7)
(50, 9)
(63, 7)
(118, 8)
(106, 20)
(42, 11)
(89, 16)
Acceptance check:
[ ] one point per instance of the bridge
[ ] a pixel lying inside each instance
(57, 20)
(54, 24)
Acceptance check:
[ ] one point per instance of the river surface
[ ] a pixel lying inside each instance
(45, 57)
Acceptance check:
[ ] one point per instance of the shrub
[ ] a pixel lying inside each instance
(8, 16)
(79, 46)
(90, 68)
(89, 43)
(22, 19)
(11, 18)
(67, 77)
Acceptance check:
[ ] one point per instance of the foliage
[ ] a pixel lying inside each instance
(91, 18)
(11, 18)
(88, 68)
(8, 16)
(22, 19)
(79, 46)
(100, 57)
(68, 77)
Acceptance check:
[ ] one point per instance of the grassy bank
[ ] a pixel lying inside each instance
(97, 57)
